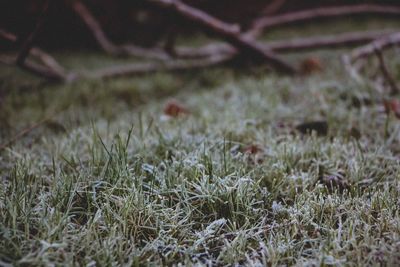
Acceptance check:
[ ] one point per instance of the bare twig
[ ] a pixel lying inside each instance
(354, 64)
(30, 39)
(228, 32)
(23, 133)
(48, 61)
(39, 70)
(292, 45)
(170, 41)
(108, 46)
(326, 12)
(51, 70)
(137, 69)
(386, 74)
(45, 58)
(380, 44)
(8, 36)
(340, 40)
(273, 7)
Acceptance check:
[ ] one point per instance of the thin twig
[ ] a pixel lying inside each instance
(325, 12)
(247, 47)
(273, 7)
(23, 133)
(292, 45)
(144, 68)
(51, 70)
(354, 64)
(385, 71)
(106, 44)
(29, 41)
(380, 44)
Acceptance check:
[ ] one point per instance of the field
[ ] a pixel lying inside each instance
(106, 178)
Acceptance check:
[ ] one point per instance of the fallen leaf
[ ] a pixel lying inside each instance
(392, 105)
(174, 109)
(311, 65)
(254, 154)
(320, 127)
(252, 149)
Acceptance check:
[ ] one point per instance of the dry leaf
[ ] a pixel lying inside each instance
(311, 65)
(252, 149)
(254, 154)
(174, 109)
(392, 105)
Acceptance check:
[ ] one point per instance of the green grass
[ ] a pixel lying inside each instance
(113, 181)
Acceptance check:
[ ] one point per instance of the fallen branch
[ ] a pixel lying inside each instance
(334, 41)
(108, 46)
(386, 74)
(326, 12)
(273, 7)
(144, 68)
(45, 58)
(30, 39)
(51, 70)
(228, 32)
(23, 133)
(379, 44)
(292, 45)
(38, 70)
(354, 64)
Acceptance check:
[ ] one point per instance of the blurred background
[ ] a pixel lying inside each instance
(137, 21)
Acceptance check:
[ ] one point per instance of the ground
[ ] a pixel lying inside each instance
(109, 179)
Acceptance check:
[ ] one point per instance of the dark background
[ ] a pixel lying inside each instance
(133, 20)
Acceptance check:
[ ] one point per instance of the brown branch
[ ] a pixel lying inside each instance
(292, 45)
(23, 133)
(340, 40)
(170, 42)
(353, 62)
(8, 36)
(386, 74)
(228, 32)
(95, 27)
(379, 44)
(48, 61)
(326, 12)
(107, 45)
(38, 70)
(51, 70)
(144, 68)
(115, 71)
(273, 7)
(30, 39)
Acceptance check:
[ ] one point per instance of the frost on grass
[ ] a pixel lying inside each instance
(141, 189)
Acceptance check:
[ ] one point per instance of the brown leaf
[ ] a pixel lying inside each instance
(311, 65)
(392, 105)
(254, 154)
(320, 127)
(174, 109)
(252, 149)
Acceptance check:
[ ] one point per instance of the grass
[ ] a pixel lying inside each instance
(113, 181)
